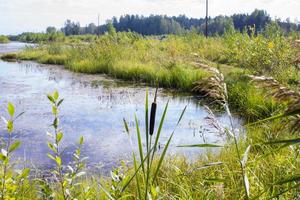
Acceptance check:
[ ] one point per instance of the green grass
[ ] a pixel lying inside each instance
(4, 39)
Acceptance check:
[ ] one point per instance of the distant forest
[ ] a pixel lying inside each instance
(160, 25)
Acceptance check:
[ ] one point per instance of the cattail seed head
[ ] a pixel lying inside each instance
(153, 114)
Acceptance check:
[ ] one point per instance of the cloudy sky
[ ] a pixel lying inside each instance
(35, 15)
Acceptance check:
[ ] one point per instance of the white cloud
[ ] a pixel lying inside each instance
(35, 15)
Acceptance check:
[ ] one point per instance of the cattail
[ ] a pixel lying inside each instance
(153, 113)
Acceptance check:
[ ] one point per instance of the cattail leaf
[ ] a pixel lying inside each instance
(126, 126)
(288, 142)
(182, 113)
(267, 119)
(136, 177)
(201, 145)
(294, 178)
(139, 140)
(137, 170)
(204, 167)
(159, 129)
(147, 118)
(161, 159)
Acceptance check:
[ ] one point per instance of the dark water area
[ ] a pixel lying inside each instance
(94, 106)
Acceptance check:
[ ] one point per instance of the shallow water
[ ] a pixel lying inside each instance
(94, 106)
(13, 47)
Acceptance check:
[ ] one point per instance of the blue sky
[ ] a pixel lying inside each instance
(35, 15)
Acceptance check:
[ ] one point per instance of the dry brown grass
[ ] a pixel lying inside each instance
(213, 87)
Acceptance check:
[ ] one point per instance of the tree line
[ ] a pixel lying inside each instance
(162, 24)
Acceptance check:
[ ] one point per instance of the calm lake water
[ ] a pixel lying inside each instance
(94, 107)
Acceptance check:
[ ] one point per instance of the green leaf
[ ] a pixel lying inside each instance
(288, 142)
(14, 146)
(201, 145)
(162, 158)
(25, 173)
(126, 126)
(139, 140)
(59, 136)
(10, 126)
(81, 140)
(55, 95)
(52, 147)
(51, 98)
(58, 160)
(136, 177)
(2, 157)
(11, 109)
(294, 178)
(137, 170)
(60, 102)
(159, 130)
(182, 113)
(147, 119)
(55, 123)
(51, 157)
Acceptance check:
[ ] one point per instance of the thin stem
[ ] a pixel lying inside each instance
(148, 167)
(5, 167)
(237, 148)
(59, 168)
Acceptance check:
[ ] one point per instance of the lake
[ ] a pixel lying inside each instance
(94, 106)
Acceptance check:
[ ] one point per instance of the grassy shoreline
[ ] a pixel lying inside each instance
(4, 39)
